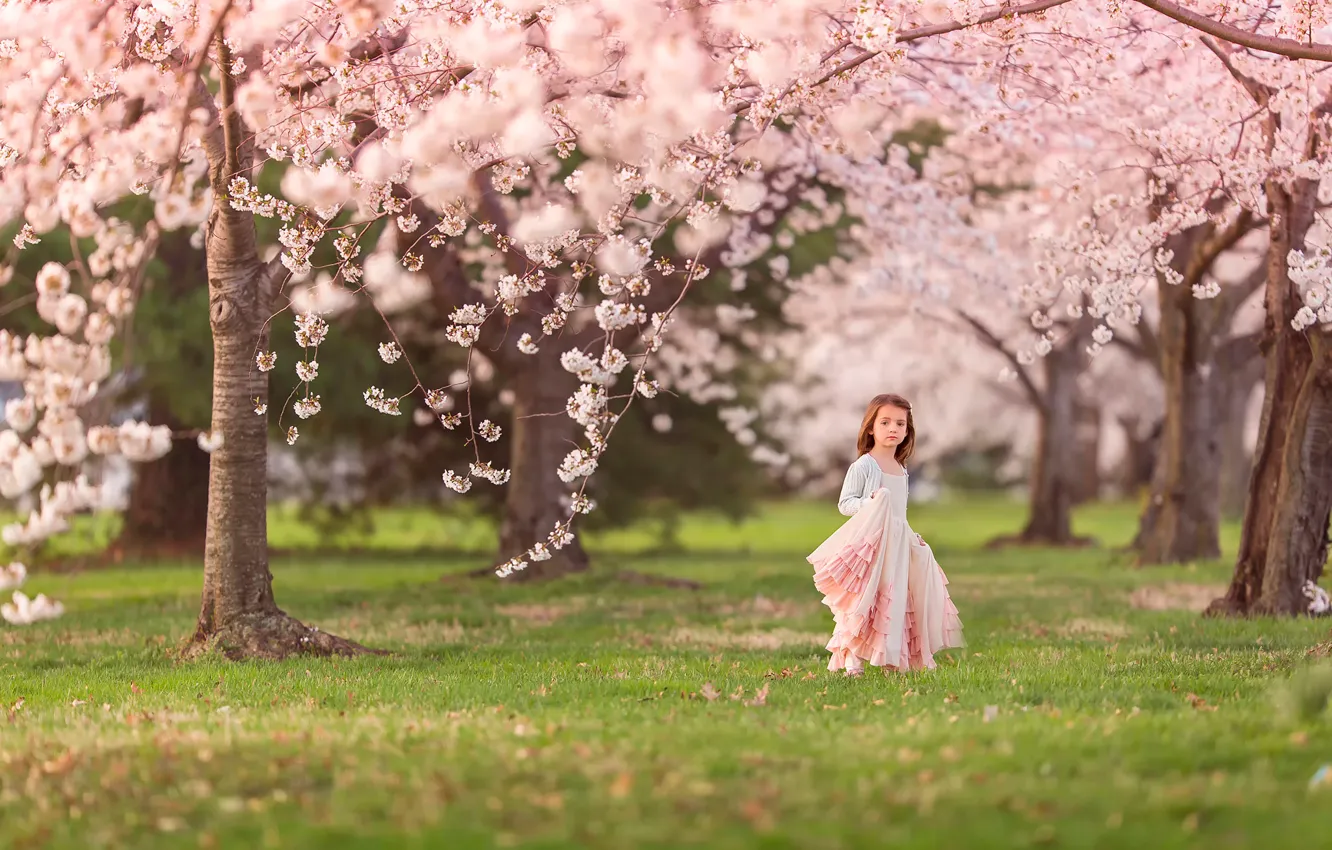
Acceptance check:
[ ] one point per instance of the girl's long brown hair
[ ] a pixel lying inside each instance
(865, 441)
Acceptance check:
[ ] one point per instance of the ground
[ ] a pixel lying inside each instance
(1092, 709)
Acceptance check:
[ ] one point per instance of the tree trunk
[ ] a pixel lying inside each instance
(542, 434)
(167, 515)
(1135, 470)
(238, 616)
(1287, 362)
(1055, 467)
(1297, 547)
(1087, 474)
(1234, 390)
(1288, 358)
(1182, 523)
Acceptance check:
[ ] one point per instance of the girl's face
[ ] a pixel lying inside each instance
(890, 426)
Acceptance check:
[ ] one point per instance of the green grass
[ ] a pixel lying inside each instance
(577, 714)
(782, 529)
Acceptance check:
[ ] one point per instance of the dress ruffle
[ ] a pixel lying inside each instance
(869, 638)
(843, 577)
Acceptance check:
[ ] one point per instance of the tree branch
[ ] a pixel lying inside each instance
(224, 147)
(1260, 92)
(365, 51)
(272, 278)
(1209, 249)
(450, 287)
(1226, 32)
(1135, 348)
(231, 132)
(515, 261)
(1235, 35)
(987, 336)
(908, 36)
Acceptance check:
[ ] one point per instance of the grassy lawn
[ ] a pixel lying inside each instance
(1092, 708)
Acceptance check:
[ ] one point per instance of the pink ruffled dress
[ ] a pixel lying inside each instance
(888, 595)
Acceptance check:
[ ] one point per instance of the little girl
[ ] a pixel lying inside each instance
(888, 595)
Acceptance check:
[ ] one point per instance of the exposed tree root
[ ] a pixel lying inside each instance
(271, 636)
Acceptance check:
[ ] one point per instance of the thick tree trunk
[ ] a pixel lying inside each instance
(238, 616)
(1181, 522)
(1297, 547)
(541, 435)
(167, 515)
(1288, 361)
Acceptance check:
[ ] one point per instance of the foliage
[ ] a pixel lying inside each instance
(461, 115)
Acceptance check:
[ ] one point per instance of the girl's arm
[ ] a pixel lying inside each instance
(850, 500)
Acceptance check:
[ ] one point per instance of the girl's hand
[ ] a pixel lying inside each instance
(920, 540)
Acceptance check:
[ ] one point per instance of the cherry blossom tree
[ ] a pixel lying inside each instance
(1284, 542)
(1191, 170)
(423, 116)
(1211, 362)
(855, 342)
(995, 281)
(906, 290)
(1049, 373)
(1239, 156)
(1158, 218)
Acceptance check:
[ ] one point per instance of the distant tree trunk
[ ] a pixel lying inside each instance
(1240, 370)
(1054, 470)
(1182, 519)
(541, 435)
(540, 432)
(1285, 495)
(238, 615)
(1058, 467)
(167, 515)
(1135, 470)
(1087, 476)
(1181, 522)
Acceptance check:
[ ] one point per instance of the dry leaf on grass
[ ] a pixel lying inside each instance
(760, 698)
(60, 765)
(623, 784)
(1199, 703)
